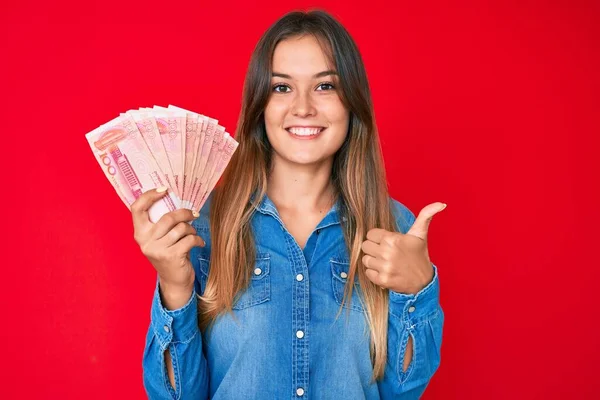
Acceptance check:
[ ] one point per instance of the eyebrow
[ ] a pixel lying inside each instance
(319, 75)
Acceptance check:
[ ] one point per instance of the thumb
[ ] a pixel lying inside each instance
(420, 227)
(139, 208)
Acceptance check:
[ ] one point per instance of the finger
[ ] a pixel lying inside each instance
(372, 263)
(376, 235)
(187, 243)
(139, 208)
(371, 248)
(374, 277)
(420, 227)
(169, 220)
(179, 231)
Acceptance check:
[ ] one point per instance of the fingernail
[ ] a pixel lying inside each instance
(195, 214)
(443, 206)
(162, 189)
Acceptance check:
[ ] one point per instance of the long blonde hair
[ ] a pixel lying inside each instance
(358, 177)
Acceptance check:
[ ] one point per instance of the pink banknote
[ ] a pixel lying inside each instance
(223, 159)
(128, 164)
(148, 127)
(193, 129)
(202, 155)
(152, 147)
(205, 168)
(206, 121)
(171, 125)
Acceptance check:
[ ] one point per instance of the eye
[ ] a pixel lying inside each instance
(284, 88)
(326, 86)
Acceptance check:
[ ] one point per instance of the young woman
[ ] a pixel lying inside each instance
(300, 277)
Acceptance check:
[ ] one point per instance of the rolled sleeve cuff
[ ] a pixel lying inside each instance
(174, 326)
(416, 306)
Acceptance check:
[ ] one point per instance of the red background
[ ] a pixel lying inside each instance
(491, 108)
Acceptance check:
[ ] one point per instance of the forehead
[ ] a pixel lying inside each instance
(300, 56)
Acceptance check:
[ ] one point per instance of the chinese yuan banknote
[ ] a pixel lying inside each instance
(154, 147)
(171, 125)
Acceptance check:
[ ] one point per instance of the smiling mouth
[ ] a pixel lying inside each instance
(306, 132)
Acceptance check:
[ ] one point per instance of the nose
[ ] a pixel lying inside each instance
(303, 106)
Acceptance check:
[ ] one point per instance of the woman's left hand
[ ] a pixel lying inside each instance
(400, 262)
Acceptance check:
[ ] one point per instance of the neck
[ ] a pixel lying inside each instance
(301, 187)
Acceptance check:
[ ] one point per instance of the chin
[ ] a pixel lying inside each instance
(305, 159)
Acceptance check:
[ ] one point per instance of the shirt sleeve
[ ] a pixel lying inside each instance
(421, 317)
(178, 331)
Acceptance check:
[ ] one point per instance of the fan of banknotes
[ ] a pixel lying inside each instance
(163, 147)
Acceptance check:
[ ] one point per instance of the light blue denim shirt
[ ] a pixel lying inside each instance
(284, 341)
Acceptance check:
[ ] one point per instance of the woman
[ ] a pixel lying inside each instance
(255, 312)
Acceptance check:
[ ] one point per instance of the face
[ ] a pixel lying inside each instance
(305, 119)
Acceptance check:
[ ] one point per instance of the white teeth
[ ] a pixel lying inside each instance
(305, 131)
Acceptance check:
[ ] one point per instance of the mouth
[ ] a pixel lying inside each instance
(305, 132)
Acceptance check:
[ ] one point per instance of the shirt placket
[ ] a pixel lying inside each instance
(300, 300)
(300, 319)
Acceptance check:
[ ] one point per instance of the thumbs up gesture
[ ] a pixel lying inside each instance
(400, 262)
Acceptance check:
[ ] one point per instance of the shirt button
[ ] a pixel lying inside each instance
(300, 392)
(343, 275)
(257, 271)
(166, 328)
(299, 334)
(299, 277)
(318, 231)
(411, 308)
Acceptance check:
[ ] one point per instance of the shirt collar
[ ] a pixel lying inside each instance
(267, 207)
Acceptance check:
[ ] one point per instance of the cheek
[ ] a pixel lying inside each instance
(342, 114)
(343, 121)
(336, 112)
(341, 118)
(274, 113)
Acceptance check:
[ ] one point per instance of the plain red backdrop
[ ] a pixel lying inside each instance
(491, 108)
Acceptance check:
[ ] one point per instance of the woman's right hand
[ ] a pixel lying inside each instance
(167, 244)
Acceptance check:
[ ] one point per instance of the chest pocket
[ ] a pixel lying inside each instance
(339, 277)
(259, 289)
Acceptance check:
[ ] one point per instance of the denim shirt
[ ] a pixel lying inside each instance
(283, 340)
